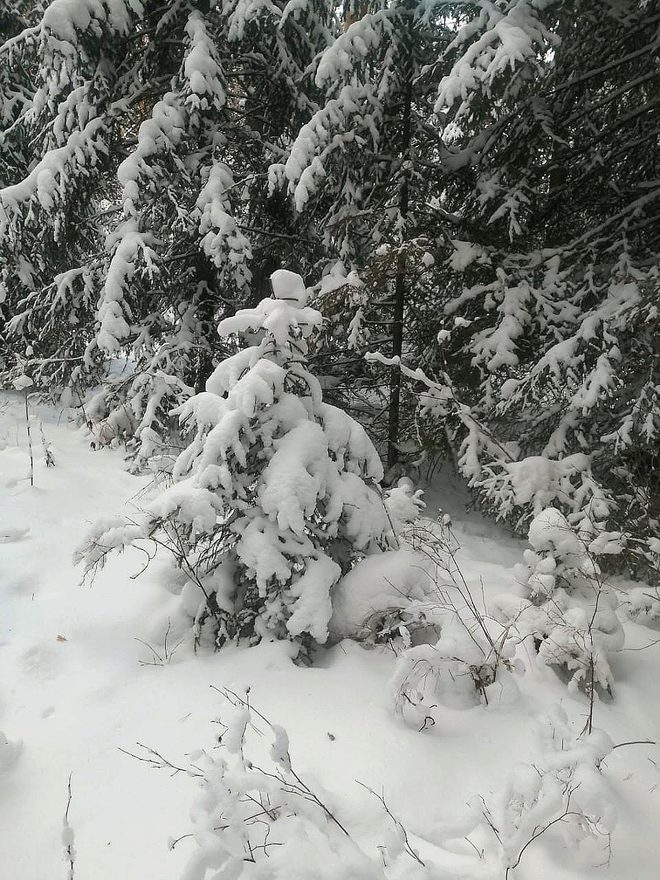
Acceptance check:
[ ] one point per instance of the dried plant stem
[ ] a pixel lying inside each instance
(29, 437)
(67, 837)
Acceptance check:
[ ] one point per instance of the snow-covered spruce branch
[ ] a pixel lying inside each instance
(446, 394)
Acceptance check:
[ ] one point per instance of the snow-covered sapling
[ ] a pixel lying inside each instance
(68, 838)
(563, 795)
(563, 602)
(276, 494)
(49, 456)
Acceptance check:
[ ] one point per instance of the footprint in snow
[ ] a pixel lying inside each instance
(13, 533)
(9, 751)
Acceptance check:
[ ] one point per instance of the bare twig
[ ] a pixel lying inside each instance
(300, 788)
(636, 742)
(158, 762)
(406, 842)
(28, 428)
(68, 837)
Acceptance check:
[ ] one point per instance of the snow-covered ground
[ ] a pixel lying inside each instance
(79, 683)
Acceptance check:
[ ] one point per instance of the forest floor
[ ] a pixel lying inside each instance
(81, 684)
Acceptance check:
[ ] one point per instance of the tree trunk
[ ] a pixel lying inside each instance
(206, 308)
(400, 280)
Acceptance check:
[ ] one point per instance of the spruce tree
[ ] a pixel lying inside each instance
(275, 495)
(555, 353)
(146, 206)
(366, 169)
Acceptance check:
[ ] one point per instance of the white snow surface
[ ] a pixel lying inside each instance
(80, 681)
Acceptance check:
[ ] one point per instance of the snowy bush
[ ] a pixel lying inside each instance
(374, 600)
(258, 818)
(451, 672)
(404, 504)
(563, 602)
(564, 794)
(378, 599)
(642, 604)
(276, 494)
(453, 649)
(455, 668)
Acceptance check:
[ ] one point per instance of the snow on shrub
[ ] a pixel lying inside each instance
(135, 408)
(380, 590)
(404, 504)
(563, 603)
(453, 650)
(259, 819)
(563, 794)
(256, 816)
(274, 483)
(449, 672)
(455, 669)
(642, 604)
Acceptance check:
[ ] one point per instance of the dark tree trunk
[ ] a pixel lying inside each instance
(206, 315)
(394, 425)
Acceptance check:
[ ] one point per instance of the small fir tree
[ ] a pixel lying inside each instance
(276, 493)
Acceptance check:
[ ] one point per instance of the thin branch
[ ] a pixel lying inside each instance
(411, 852)
(636, 742)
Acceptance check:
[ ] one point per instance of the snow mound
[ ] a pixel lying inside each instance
(290, 286)
(378, 584)
(549, 530)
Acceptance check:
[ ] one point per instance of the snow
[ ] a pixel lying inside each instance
(464, 254)
(275, 315)
(22, 382)
(378, 585)
(508, 38)
(353, 44)
(80, 682)
(222, 240)
(349, 442)
(63, 18)
(296, 475)
(313, 609)
(47, 180)
(161, 132)
(201, 67)
(126, 245)
(289, 286)
(549, 530)
(404, 504)
(540, 481)
(497, 346)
